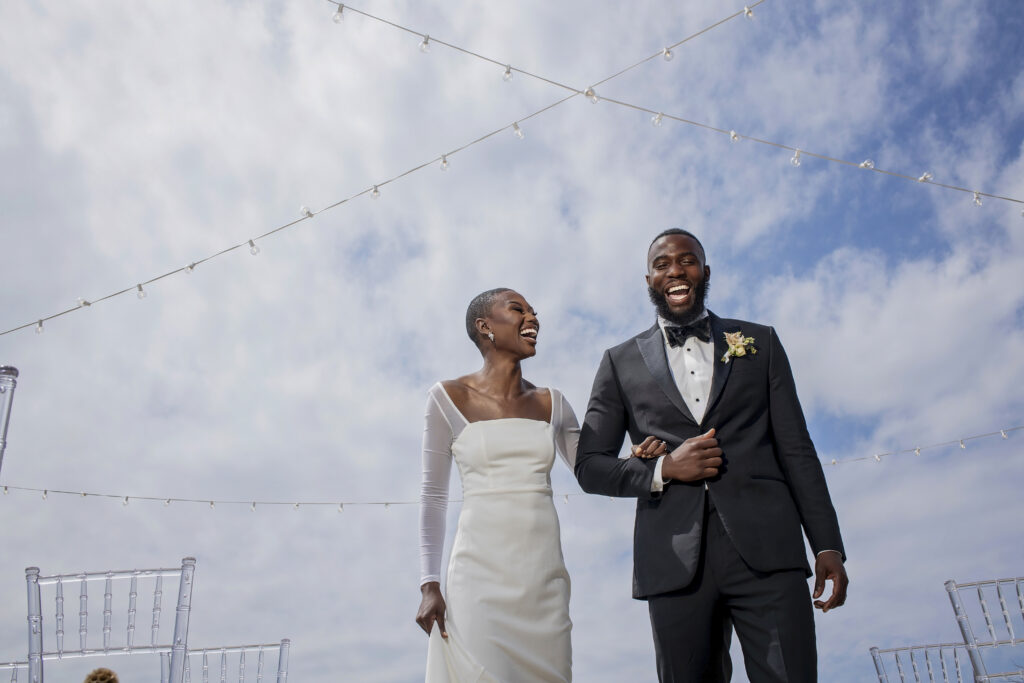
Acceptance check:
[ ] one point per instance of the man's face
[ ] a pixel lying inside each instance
(677, 278)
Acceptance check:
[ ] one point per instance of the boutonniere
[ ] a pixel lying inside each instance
(738, 345)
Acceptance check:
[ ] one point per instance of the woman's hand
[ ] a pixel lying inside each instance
(649, 448)
(431, 608)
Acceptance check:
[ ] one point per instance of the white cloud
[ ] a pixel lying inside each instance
(136, 139)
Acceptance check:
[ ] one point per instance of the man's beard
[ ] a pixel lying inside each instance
(700, 296)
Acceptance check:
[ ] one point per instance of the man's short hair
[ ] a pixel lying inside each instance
(678, 231)
(480, 307)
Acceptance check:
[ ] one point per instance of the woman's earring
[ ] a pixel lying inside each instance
(490, 335)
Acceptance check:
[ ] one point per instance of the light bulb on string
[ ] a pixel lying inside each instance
(425, 44)
(963, 445)
(39, 327)
(667, 54)
(341, 507)
(375, 193)
(734, 136)
(253, 249)
(656, 119)
(305, 211)
(125, 501)
(507, 76)
(925, 177)
(444, 162)
(591, 95)
(82, 303)
(917, 451)
(748, 13)
(190, 267)
(296, 507)
(140, 292)
(253, 506)
(517, 130)
(167, 502)
(977, 198)
(1002, 433)
(796, 158)
(867, 163)
(45, 493)
(212, 506)
(339, 15)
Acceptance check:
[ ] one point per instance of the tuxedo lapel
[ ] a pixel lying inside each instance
(652, 349)
(721, 370)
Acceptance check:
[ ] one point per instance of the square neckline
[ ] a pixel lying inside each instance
(451, 402)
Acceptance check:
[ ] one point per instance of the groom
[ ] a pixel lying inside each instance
(719, 515)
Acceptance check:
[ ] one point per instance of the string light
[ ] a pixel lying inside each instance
(519, 133)
(83, 303)
(339, 15)
(734, 136)
(253, 249)
(656, 120)
(375, 193)
(796, 158)
(340, 506)
(425, 44)
(507, 76)
(444, 162)
(667, 54)
(925, 177)
(39, 327)
(305, 211)
(190, 267)
(591, 95)
(140, 292)
(748, 13)
(868, 164)
(977, 198)
(517, 130)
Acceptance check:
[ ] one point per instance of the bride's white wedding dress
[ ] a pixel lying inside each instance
(507, 590)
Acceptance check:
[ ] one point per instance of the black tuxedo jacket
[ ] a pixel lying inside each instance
(770, 485)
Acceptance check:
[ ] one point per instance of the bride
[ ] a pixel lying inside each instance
(506, 617)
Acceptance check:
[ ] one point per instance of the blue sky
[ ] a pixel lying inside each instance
(137, 138)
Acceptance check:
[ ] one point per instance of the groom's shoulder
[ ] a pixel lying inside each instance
(630, 344)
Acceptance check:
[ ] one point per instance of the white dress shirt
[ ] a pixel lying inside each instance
(692, 365)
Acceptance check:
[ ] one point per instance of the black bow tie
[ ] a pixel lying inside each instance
(678, 335)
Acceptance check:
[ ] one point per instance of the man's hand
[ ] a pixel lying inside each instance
(697, 458)
(432, 608)
(829, 567)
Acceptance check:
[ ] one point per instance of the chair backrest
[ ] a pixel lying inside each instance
(133, 580)
(994, 641)
(947, 663)
(13, 668)
(216, 659)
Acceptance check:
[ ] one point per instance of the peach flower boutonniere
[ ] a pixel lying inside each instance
(739, 346)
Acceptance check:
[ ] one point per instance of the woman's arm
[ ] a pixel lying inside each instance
(437, 467)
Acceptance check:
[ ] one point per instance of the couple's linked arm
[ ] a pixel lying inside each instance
(599, 468)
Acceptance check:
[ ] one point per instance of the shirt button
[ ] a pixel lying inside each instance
(698, 400)
(687, 349)
(691, 372)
